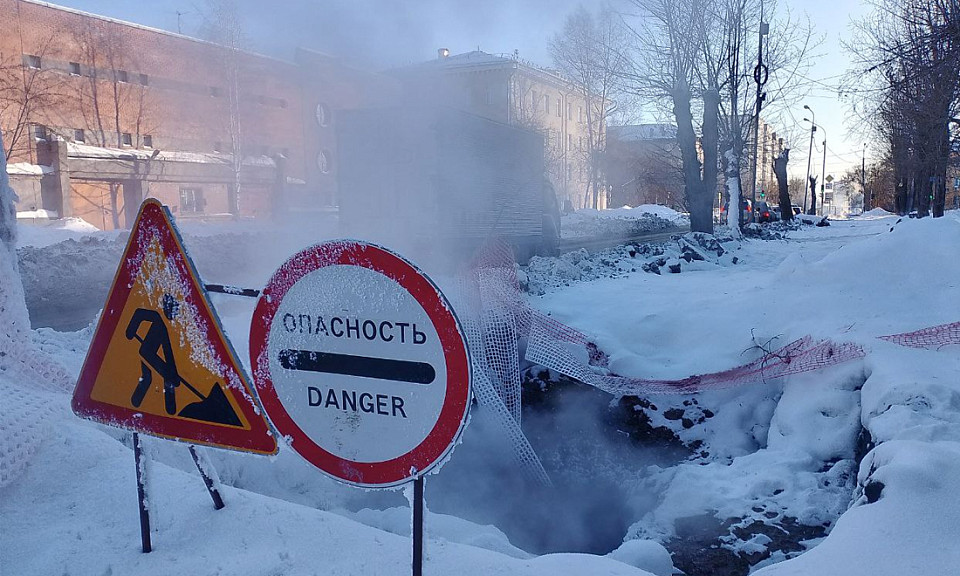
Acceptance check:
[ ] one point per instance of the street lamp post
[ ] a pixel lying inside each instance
(823, 174)
(813, 128)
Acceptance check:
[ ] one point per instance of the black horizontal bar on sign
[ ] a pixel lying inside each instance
(232, 290)
(363, 366)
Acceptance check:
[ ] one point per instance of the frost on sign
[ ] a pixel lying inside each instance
(159, 362)
(359, 359)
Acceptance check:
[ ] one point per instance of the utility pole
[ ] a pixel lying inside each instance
(760, 75)
(813, 129)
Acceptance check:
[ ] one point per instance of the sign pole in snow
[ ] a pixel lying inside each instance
(159, 362)
(362, 366)
(418, 526)
(202, 465)
(142, 494)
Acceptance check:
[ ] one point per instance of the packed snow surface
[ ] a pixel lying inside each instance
(623, 221)
(870, 450)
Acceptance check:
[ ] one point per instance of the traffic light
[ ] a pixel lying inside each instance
(763, 194)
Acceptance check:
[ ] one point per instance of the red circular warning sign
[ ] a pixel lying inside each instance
(360, 363)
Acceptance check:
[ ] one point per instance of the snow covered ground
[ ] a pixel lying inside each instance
(865, 455)
(623, 221)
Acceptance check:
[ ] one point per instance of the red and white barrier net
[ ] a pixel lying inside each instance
(568, 351)
(932, 338)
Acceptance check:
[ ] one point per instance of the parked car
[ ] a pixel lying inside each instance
(763, 212)
(775, 212)
(745, 205)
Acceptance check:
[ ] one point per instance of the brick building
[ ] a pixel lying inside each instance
(112, 112)
(509, 90)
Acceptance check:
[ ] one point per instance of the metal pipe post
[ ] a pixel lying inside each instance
(142, 494)
(418, 526)
(207, 480)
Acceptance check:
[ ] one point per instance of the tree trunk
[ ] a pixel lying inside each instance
(114, 208)
(780, 169)
(711, 150)
(813, 196)
(734, 191)
(687, 141)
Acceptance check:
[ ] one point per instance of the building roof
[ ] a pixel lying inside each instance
(478, 60)
(640, 132)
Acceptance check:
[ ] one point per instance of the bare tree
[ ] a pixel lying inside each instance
(530, 114)
(222, 25)
(783, 184)
(670, 38)
(29, 92)
(590, 51)
(114, 97)
(698, 55)
(907, 58)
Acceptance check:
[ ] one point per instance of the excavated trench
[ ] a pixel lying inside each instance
(599, 452)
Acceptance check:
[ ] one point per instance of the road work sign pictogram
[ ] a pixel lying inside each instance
(159, 362)
(360, 363)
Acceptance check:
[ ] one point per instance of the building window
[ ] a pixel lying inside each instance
(147, 141)
(283, 102)
(144, 80)
(79, 136)
(580, 112)
(191, 200)
(214, 91)
(323, 162)
(39, 132)
(534, 100)
(569, 111)
(570, 142)
(546, 103)
(559, 109)
(218, 146)
(122, 76)
(323, 114)
(126, 139)
(33, 61)
(74, 68)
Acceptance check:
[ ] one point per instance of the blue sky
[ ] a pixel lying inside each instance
(383, 33)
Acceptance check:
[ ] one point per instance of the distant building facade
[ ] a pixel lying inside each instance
(114, 112)
(770, 146)
(642, 165)
(509, 90)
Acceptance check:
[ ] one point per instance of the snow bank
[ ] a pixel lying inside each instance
(876, 213)
(619, 221)
(41, 234)
(788, 451)
(74, 511)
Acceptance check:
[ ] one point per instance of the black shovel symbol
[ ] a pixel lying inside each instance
(156, 353)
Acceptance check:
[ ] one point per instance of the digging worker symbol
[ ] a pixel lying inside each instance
(156, 355)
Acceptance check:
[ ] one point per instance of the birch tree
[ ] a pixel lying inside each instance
(590, 51)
